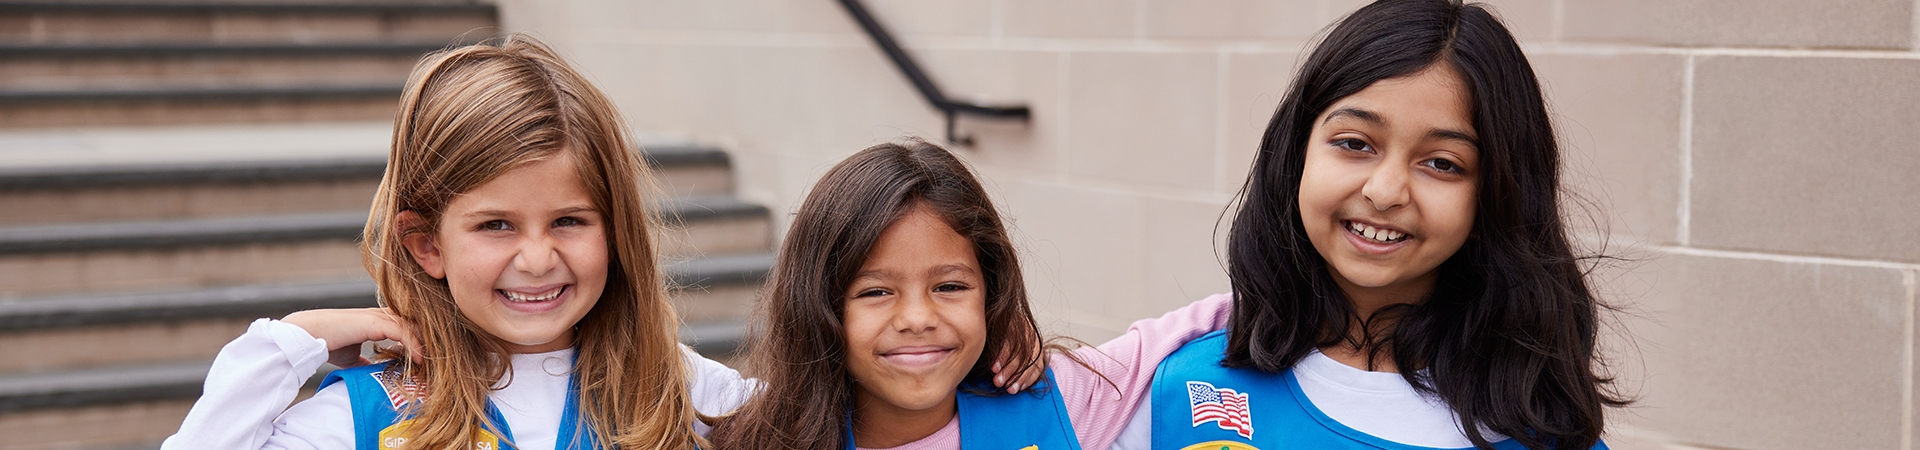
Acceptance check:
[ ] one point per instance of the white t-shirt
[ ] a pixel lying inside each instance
(1380, 404)
(257, 374)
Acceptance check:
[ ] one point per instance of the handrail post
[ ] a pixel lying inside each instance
(928, 90)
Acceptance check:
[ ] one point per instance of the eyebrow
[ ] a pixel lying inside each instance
(949, 268)
(882, 272)
(503, 213)
(1372, 118)
(1361, 114)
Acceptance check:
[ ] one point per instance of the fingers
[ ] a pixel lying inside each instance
(1028, 377)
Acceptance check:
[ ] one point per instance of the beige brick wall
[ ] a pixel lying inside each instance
(1755, 160)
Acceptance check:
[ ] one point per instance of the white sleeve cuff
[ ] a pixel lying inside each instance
(303, 351)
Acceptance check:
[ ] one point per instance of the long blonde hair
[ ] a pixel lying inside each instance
(468, 115)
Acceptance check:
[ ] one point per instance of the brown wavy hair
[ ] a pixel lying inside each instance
(799, 335)
(468, 115)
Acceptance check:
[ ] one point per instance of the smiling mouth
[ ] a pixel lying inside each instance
(917, 356)
(1374, 234)
(519, 297)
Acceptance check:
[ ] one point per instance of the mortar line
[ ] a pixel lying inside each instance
(1222, 67)
(1789, 259)
(1062, 91)
(996, 20)
(1140, 19)
(1906, 359)
(1559, 22)
(1914, 46)
(1684, 203)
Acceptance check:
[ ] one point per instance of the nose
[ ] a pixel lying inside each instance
(537, 255)
(915, 313)
(1386, 187)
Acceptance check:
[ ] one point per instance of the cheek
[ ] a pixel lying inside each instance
(970, 321)
(1450, 217)
(861, 327)
(1324, 184)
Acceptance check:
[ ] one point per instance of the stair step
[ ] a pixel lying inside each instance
(16, 99)
(50, 258)
(249, 301)
(106, 66)
(234, 22)
(105, 385)
(180, 233)
(127, 426)
(217, 302)
(54, 176)
(235, 111)
(66, 331)
(255, 229)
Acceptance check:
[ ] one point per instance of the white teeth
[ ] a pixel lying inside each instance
(1375, 234)
(519, 297)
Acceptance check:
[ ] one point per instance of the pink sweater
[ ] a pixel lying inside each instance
(1100, 410)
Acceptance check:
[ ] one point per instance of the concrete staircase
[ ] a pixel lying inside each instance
(171, 171)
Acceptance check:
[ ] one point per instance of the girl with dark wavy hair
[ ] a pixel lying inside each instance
(1402, 275)
(895, 287)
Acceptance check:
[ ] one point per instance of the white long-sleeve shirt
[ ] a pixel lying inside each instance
(243, 405)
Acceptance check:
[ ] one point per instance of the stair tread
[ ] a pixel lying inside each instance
(177, 233)
(111, 377)
(169, 154)
(189, 7)
(166, 49)
(199, 93)
(67, 310)
(103, 385)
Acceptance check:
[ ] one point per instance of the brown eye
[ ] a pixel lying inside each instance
(1443, 165)
(1351, 144)
(495, 225)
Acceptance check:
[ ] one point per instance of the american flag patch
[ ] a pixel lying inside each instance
(1221, 406)
(409, 388)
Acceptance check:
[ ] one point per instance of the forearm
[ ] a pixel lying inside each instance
(252, 381)
(1102, 398)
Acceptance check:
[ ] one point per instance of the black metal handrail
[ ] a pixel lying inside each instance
(952, 109)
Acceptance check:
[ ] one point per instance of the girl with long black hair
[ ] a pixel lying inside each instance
(1402, 275)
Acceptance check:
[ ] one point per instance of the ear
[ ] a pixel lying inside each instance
(420, 244)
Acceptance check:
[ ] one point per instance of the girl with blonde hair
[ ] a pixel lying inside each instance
(511, 244)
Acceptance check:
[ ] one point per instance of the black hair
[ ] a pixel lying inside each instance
(1507, 337)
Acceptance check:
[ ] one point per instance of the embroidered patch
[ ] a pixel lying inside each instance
(409, 387)
(1220, 445)
(1224, 407)
(392, 438)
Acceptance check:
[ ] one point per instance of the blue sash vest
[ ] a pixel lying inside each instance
(377, 423)
(1035, 419)
(1199, 405)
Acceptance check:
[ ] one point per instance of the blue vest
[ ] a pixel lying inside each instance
(1199, 405)
(377, 424)
(1035, 419)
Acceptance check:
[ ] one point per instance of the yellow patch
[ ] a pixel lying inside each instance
(392, 439)
(1031, 447)
(1220, 445)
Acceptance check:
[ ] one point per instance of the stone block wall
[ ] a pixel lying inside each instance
(1756, 163)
